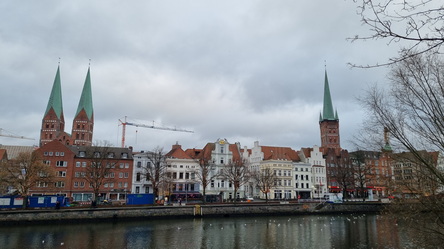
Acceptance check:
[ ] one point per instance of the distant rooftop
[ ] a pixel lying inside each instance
(14, 150)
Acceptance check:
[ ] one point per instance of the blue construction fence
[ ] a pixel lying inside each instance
(33, 201)
(139, 199)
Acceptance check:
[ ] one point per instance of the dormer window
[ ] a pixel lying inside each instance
(96, 154)
(82, 153)
(124, 155)
(111, 155)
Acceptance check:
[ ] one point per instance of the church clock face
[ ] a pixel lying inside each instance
(221, 142)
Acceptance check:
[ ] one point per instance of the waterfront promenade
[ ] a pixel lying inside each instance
(86, 214)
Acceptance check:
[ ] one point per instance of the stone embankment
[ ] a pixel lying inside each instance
(69, 215)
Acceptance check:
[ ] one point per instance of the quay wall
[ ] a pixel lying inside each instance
(151, 212)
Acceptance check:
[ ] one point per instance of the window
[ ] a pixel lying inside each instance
(82, 184)
(138, 178)
(126, 165)
(59, 184)
(62, 153)
(57, 153)
(61, 173)
(120, 175)
(42, 184)
(61, 163)
(76, 184)
(121, 165)
(137, 190)
(124, 155)
(46, 162)
(83, 164)
(111, 155)
(77, 174)
(112, 175)
(78, 164)
(126, 174)
(50, 153)
(82, 153)
(139, 164)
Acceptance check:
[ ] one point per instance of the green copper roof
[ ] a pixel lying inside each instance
(387, 147)
(86, 98)
(328, 113)
(55, 100)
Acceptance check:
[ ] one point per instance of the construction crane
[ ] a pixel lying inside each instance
(125, 123)
(12, 135)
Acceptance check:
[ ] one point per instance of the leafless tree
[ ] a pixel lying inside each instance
(413, 111)
(156, 170)
(265, 180)
(362, 171)
(25, 172)
(237, 174)
(417, 25)
(340, 170)
(205, 176)
(101, 165)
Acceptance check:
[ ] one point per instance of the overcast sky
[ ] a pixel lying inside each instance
(241, 70)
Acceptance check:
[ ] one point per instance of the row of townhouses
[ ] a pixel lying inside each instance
(179, 173)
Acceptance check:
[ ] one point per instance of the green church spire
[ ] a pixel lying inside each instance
(55, 99)
(85, 102)
(328, 113)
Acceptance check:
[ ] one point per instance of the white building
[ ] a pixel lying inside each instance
(314, 157)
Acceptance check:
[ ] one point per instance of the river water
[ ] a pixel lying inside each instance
(305, 231)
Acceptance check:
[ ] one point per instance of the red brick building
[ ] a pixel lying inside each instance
(75, 165)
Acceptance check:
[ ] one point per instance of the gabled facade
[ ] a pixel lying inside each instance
(220, 154)
(314, 157)
(53, 122)
(182, 172)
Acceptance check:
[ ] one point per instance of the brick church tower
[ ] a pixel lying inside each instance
(329, 121)
(83, 124)
(53, 122)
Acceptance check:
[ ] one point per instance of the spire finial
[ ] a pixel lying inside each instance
(59, 61)
(325, 65)
(89, 64)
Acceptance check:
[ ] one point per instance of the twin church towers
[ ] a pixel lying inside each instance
(53, 123)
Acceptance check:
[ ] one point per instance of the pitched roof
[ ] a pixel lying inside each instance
(85, 102)
(13, 150)
(280, 153)
(205, 154)
(328, 113)
(236, 152)
(55, 99)
(193, 153)
(177, 152)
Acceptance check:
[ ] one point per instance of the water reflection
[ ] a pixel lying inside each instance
(325, 231)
